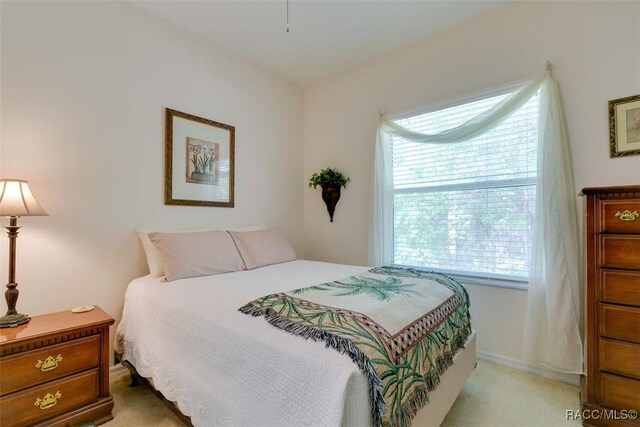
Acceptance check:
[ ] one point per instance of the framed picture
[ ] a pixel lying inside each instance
(624, 126)
(199, 161)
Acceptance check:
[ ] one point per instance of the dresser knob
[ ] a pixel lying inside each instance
(49, 364)
(48, 400)
(627, 216)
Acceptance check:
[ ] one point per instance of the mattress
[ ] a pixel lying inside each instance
(222, 367)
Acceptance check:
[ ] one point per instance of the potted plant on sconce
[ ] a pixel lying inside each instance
(331, 180)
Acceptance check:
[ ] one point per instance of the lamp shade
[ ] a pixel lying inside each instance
(16, 199)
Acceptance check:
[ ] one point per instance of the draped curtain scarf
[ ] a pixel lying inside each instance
(552, 334)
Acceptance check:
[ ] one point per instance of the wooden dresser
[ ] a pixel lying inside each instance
(54, 370)
(613, 304)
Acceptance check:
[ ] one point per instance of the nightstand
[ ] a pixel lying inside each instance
(54, 370)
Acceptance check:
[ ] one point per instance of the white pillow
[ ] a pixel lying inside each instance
(153, 257)
(196, 254)
(262, 247)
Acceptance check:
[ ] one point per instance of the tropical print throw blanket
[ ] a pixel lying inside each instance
(401, 327)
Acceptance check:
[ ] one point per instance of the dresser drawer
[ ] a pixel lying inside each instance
(620, 286)
(621, 323)
(619, 392)
(37, 403)
(48, 363)
(620, 251)
(620, 216)
(619, 357)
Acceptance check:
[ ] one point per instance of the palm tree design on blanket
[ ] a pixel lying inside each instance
(382, 289)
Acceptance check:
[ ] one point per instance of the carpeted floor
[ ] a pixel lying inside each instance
(494, 396)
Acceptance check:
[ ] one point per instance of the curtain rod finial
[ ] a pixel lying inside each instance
(380, 113)
(547, 66)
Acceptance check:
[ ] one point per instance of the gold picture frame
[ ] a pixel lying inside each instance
(199, 161)
(624, 126)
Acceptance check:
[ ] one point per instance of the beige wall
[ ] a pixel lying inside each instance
(84, 87)
(594, 48)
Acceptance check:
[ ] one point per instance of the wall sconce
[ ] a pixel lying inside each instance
(330, 180)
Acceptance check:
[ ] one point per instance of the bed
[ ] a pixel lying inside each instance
(223, 367)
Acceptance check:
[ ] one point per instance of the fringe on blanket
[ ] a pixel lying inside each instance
(340, 344)
(345, 346)
(432, 379)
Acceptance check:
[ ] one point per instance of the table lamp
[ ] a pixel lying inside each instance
(16, 200)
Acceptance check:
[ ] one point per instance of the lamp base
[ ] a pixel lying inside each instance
(13, 320)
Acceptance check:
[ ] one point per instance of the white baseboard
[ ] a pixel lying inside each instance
(572, 379)
(117, 371)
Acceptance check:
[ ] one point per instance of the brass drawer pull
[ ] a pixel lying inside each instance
(48, 401)
(627, 216)
(49, 364)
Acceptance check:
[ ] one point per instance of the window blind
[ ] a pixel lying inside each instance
(467, 208)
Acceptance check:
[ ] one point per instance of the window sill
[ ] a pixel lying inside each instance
(505, 284)
(473, 280)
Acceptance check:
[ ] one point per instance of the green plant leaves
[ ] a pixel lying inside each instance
(328, 176)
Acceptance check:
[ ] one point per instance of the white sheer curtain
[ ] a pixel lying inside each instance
(551, 336)
(552, 332)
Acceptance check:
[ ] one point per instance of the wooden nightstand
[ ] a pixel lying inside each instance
(54, 370)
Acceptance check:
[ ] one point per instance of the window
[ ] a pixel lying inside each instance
(467, 208)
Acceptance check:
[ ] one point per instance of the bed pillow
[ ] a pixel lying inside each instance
(263, 247)
(193, 254)
(153, 258)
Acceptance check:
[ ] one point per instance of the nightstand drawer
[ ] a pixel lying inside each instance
(61, 353)
(619, 357)
(48, 363)
(620, 216)
(621, 323)
(49, 399)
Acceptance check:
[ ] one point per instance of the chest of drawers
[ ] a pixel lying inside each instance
(54, 370)
(612, 380)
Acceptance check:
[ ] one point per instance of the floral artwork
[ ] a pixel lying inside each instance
(624, 126)
(203, 161)
(633, 125)
(199, 161)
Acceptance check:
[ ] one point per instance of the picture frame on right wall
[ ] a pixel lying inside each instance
(624, 126)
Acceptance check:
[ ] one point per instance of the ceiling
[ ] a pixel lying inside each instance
(326, 38)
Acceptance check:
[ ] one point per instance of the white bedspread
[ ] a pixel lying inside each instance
(224, 368)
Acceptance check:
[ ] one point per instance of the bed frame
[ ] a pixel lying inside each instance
(440, 400)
